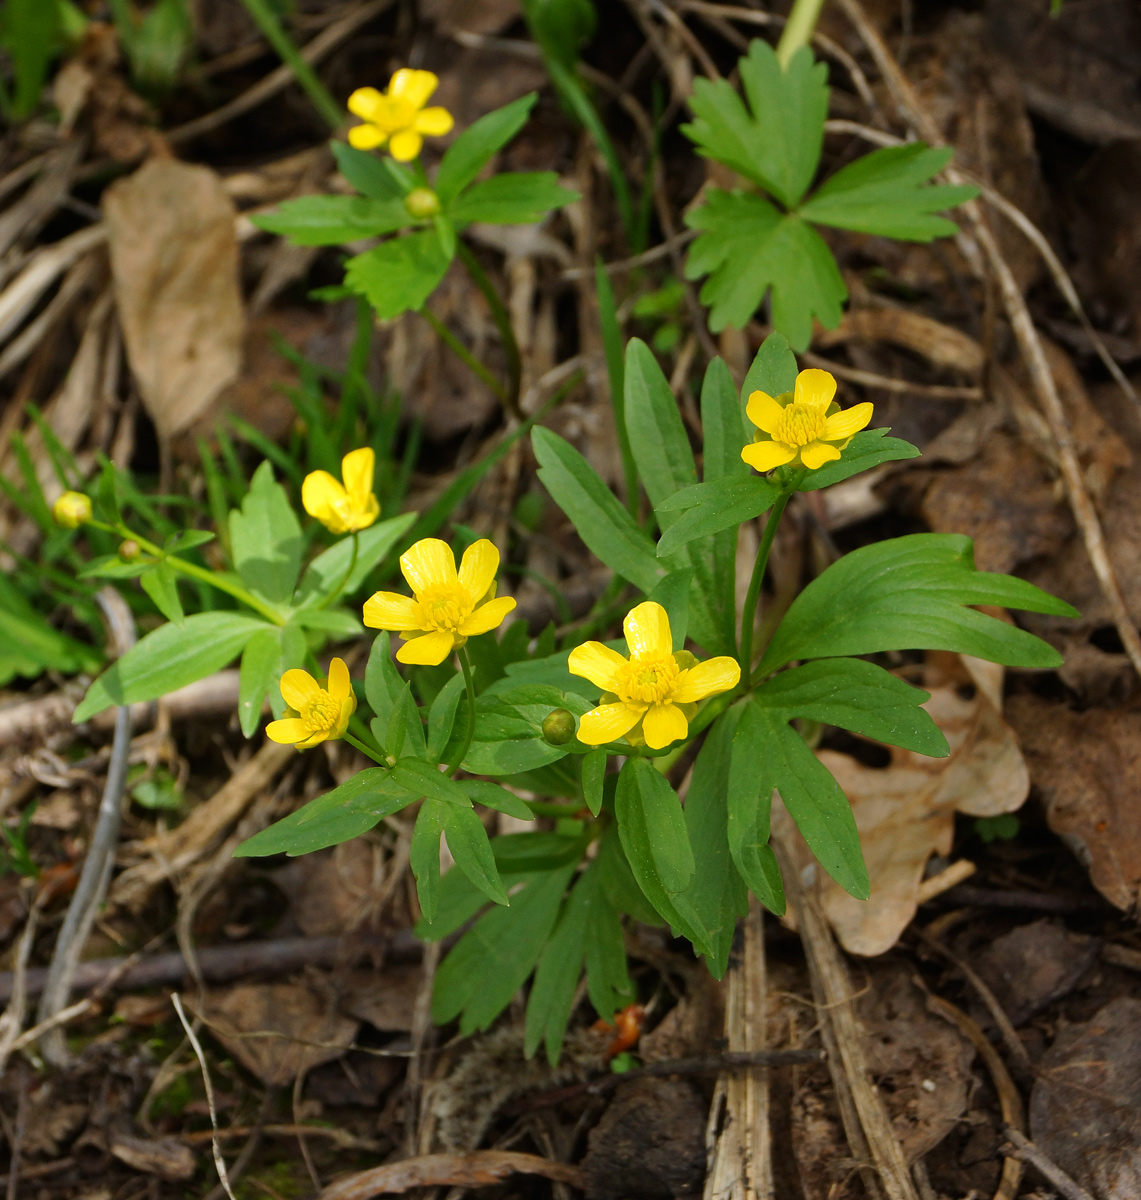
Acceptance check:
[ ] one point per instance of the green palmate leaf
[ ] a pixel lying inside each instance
(883, 193)
(912, 593)
(618, 880)
(376, 178)
(473, 149)
(334, 220)
(593, 779)
(513, 198)
(161, 584)
(716, 895)
(746, 246)
(261, 666)
(424, 854)
(711, 507)
(867, 449)
(607, 981)
(652, 825)
(468, 842)
(265, 538)
(772, 371)
(777, 144)
(491, 962)
(344, 813)
(425, 779)
(400, 274)
(169, 658)
(748, 794)
(855, 695)
(603, 524)
(327, 570)
(509, 730)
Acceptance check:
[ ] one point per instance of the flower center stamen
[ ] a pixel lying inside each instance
(650, 680)
(320, 713)
(443, 609)
(799, 424)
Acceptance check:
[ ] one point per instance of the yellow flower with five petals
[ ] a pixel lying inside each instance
(347, 507)
(805, 427)
(655, 688)
(398, 116)
(322, 712)
(448, 606)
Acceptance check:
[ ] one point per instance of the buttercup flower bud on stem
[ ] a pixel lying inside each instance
(71, 510)
(422, 203)
(129, 550)
(558, 727)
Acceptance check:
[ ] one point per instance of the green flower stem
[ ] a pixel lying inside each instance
(266, 20)
(464, 354)
(469, 728)
(347, 575)
(348, 737)
(502, 319)
(798, 30)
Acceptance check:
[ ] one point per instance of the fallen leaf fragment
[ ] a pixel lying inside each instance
(164, 1157)
(477, 1169)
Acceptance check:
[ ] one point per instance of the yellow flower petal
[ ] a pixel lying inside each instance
(297, 687)
(478, 567)
(357, 469)
(365, 103)
(429, 563)
(427, 651)
(340, 688)
(390, 610)
(664, 723)
(765, 456)
(764, 411)
(706, 679)
(607, 723)
(816, 454)
(405, 145)
(815, 388)
(366, 137)
(315, 739)
(598, 663)
(434, 122)
(323, 497)
(288, 731)
(647, 630)
(487, 616)
(847, 423)
(413, 87)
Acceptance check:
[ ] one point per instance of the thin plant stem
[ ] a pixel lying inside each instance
(348, 737)
(752, 597)
(266, 20)
(469, 726)
(502, 319)
(798, 29)
(347, 575)
(464, 354)
(616, 370)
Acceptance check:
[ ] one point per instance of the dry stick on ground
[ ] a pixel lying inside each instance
(12, 1021)
(421, 1028)
(1025, 1150)
(1029, 343)
(931, 391)
(480, 1168)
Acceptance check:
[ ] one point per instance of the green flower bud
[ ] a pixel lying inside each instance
(71, 510)
(559, 727)
(129, 550)
(422, 203)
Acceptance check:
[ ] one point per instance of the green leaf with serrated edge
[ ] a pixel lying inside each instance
(327, 570)
(716, 895)
(666, 850)
(419, 775)
(772, 371)
(400, 274)
(883, 194)
(721, 504)
(869, 448)
(161, 584)
(558, 971)
(608, 530)
(855, 695)
(265, 538)
(491, 962)
(513, 198)
(442, 716)
(745, 247)
(351, 809)
(607, 981)
(776, 142)
(468, 842)
(673, 595)
(492, 795)
(169, 658)
(368, 174)
(748, 801)
(334, 220)
(261, 661)
(912, 593)
(593, 775)
(424, 854)
(473, 149)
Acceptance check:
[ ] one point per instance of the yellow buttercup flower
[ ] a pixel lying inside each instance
(322, 712)
(448, 608)
(72, 509)
(343, 508)
(803, 427)
(398, 116)
(655, 687)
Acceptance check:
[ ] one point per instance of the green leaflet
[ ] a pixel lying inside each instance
(373, 177)
(509, 730)
(260, 669)
(912, 593)
(265, 539)
(652, 825)
(867, 449)
(399, 274)
(327, 570)
(161, 584)
(472, 150)
(424, 854)
(514, 198)
(718, 505)
(334, 220)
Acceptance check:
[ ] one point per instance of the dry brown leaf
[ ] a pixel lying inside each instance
(277, 1030)
(174, 258)
(905, 812)
(164, 1157)
(478, 1169)
(941, 345)
(331, 892)
(385, 999)
(1085, 766)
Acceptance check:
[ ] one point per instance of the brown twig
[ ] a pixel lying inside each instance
(1024, 1149)
(477, 1169)
(931, 391)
